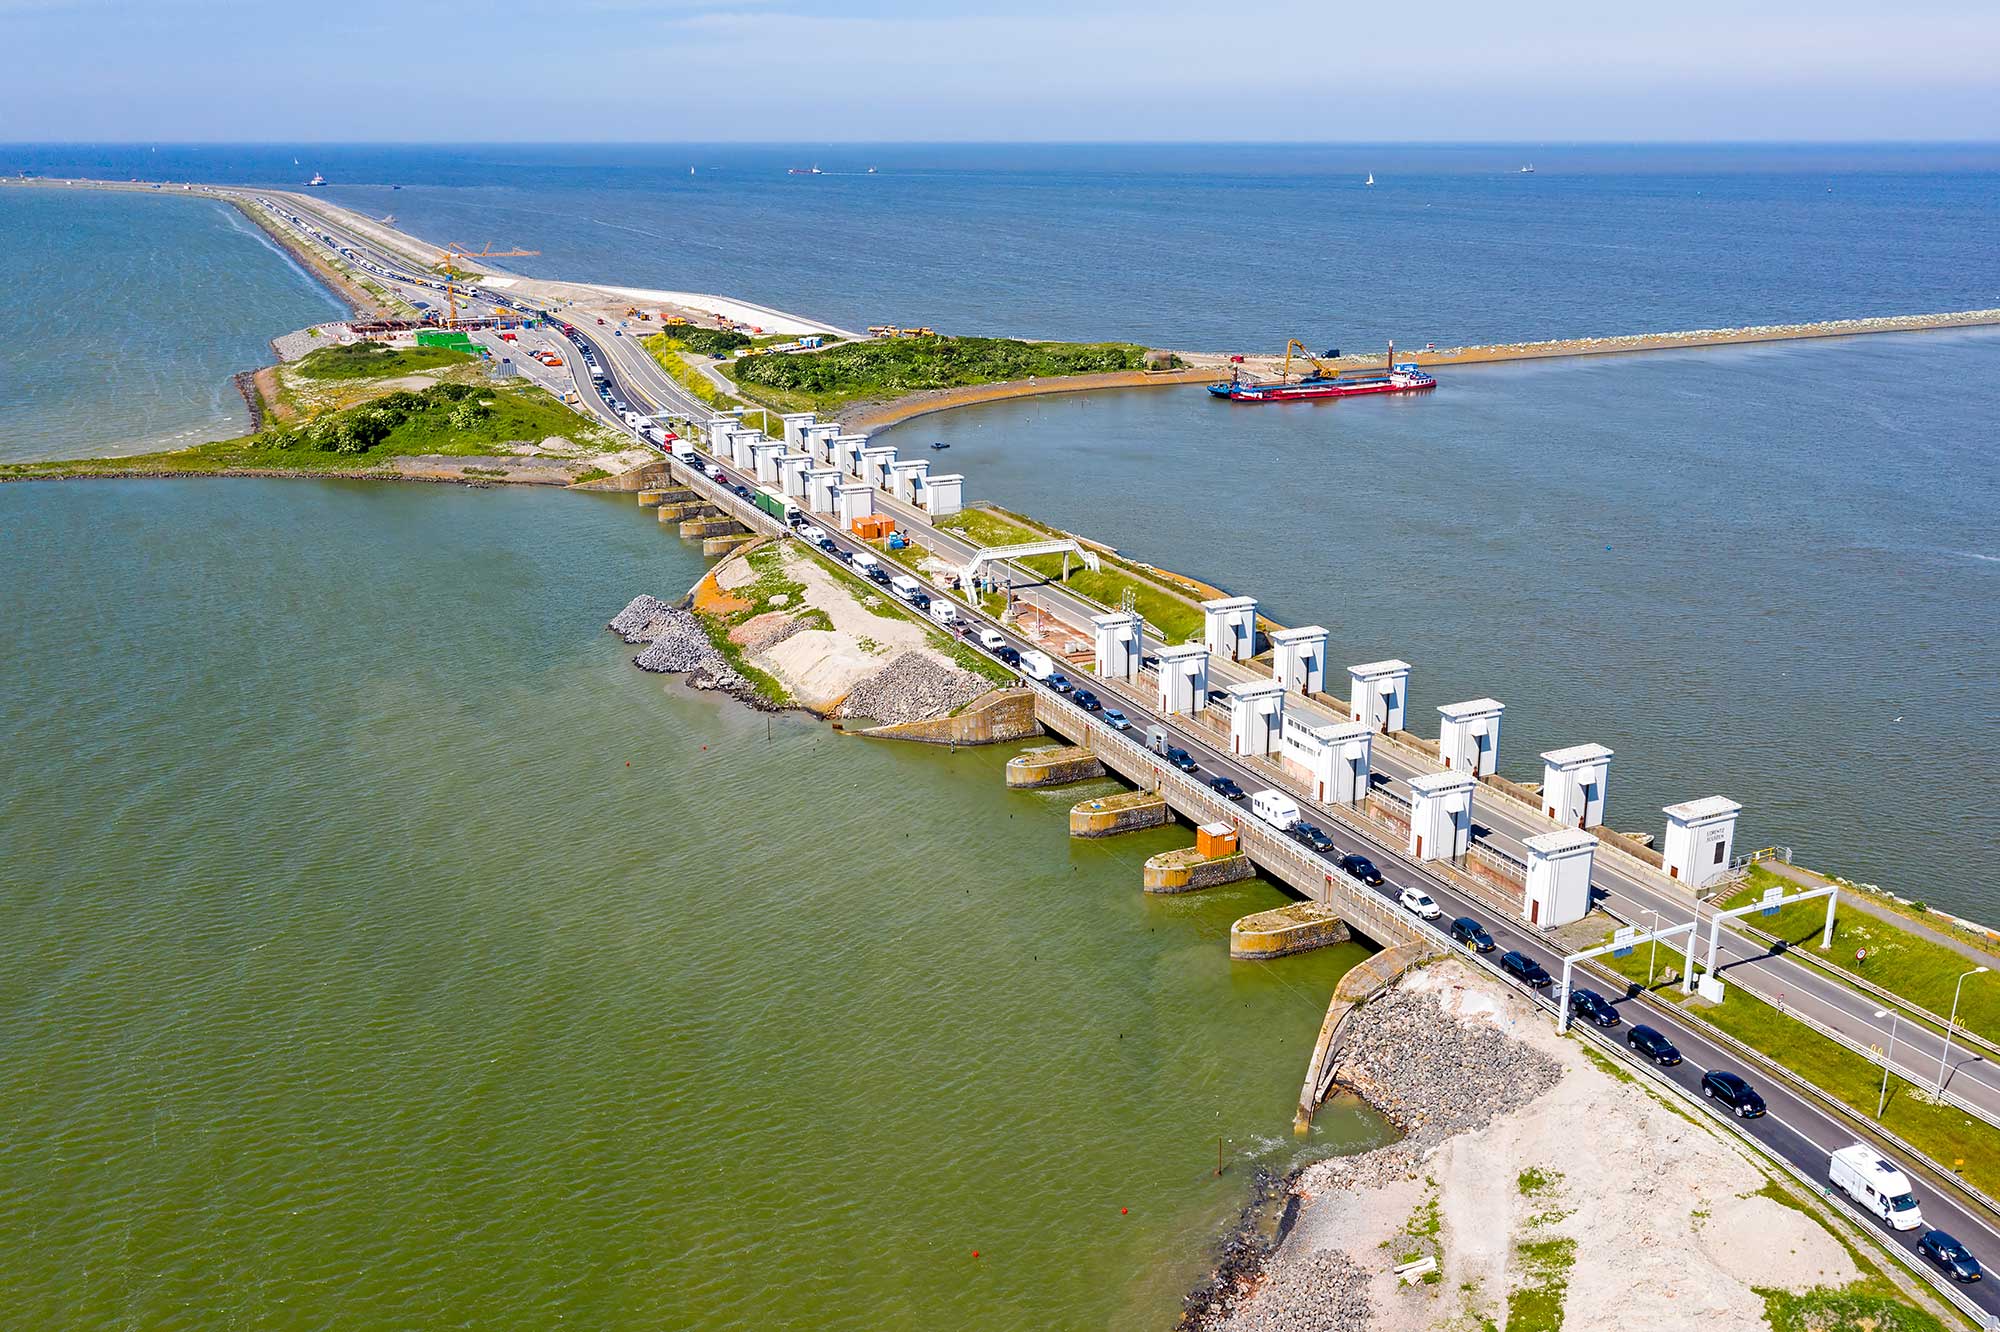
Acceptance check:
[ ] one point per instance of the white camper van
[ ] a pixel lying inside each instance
(1036, 665)
(1275, 808)
(1876, 1186)
(905, 587)
(944, 613)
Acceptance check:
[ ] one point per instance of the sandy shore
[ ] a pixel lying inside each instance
(1532, 1172)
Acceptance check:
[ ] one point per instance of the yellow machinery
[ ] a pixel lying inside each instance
(1321, 370)
(454, 253)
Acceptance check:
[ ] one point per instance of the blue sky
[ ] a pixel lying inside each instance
(886, 70)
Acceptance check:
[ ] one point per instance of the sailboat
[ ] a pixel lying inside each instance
(1528, 170)
(1370, 180)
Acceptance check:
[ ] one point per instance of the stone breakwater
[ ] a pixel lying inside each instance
(912, 687)
(1435, 1076)
(676, 644)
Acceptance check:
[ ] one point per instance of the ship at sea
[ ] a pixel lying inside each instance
(1325, 381)
(316, 180)
(804, 171)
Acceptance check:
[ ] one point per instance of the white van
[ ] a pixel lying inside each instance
(1036, 665)
(905, 587)
(864, 562)
(990, 640)
(1275, 808)
(1876, 1186)
(944, 613)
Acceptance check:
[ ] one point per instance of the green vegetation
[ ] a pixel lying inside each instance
(970, 658)
(894, 366)
(768, 563)
(706, 341)
(1863, 1306)
(1535, 1182)
(374, 360)
(1945, 1135)
(1921, 970)
(1537, 1304)
(458, 420)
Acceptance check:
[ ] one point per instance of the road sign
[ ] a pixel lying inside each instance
(1771, 896)
(1623, 939)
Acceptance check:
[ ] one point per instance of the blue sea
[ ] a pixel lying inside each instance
(1766, 572)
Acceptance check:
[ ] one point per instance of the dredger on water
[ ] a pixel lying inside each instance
(1325, 380)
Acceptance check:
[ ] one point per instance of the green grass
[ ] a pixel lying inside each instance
(458, 420)
(895, 366)
(1178, 619)
(1860, 1307)
(1921, 970)
(990, 527)
(374, 360)
(1535, 1182)
(666, 350)
(1945, 1135)
(1537, 1304)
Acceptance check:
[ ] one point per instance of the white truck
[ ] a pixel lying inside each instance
(905, 587)
(1876, 1186)
(1275, 808)
(1036, 665)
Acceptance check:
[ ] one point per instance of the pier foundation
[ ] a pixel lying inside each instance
(1287, 930)
(708, 527)
(1055, 766)
(1188, 870)
(1128, 811)
(722, 545)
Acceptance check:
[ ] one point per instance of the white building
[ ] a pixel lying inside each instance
(1334, 758)
(1559, 865)
(1183, 678)
(737, 442)
(875, 464)
(851, 502)
(792, 474)
(906, 479)
(1700, 834)
(821, 482)
(941, 495)
(764, 455)
(1229, 627)
(847, 452)
(817, 439)
(1256, 716)
(1379, 694)
(1299, 658)
(1120, 645)
(795, 422)
(1469, 736)
(1573, 784)
(1440, 815)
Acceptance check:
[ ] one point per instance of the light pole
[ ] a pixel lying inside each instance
(1653, 948)
(1946, 1054)
(1883, 1099)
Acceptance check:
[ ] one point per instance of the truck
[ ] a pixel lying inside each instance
(1275, 808)
(771, 502)
(905, 587)
(1036, 665)
(1876, 1185)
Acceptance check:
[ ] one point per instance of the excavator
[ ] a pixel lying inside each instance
(1321, 369)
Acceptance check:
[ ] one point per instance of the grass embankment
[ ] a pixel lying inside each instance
(459, 420)
(375, 360)
(1947, 1136)
(671, 349)
(768, 563)
(890, 367)
(1921, 970)
(912, 556)
(1178, 619)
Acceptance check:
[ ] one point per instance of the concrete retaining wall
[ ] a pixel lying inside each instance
(664, 495)
(1289, 929)
(1188, 870)
(1058, 765)
(990, 719)
(643, 477)
(1128, 811)
(722, 545)
(708, 527)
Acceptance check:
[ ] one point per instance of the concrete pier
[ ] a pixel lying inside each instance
(722, 545)
(708, 527)
(1055, 766)
(674, 511)
(664, 495)
(1188, 870)
(1003, 715)
(1289, 929)
(1128, 811)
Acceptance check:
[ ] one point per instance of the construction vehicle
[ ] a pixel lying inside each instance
(454, 253)
(1320, 369)
(673, 320)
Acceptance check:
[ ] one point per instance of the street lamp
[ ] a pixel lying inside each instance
(1653, 951)
(1946, 1053)
(1883, 1099)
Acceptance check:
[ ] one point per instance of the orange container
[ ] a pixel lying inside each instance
(1215, 839)
(873, 526)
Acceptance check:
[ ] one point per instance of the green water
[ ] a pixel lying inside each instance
(385, 951)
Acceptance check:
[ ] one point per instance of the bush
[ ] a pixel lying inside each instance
(704, 341)
(905, 365)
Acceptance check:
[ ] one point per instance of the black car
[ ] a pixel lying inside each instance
(1008, 655)
(1525, 970)
(741, 489)
(1733, 1092)
(922, 601)
(1225, 788)
(879, 575)
(1362, 868)
(1472, 934)
(1590, 1006)
(844, 556)
(1308, 835)
(1181, 759)
(1086, 700)
(1949, 1254)
(1059, 682)
(1654, 1046)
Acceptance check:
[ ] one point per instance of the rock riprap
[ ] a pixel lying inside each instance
(912, 687)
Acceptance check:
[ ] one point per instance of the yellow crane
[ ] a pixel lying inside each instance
(1321, 369)
(454, 253)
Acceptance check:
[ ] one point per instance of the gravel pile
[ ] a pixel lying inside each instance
(1323, 1291)
(912, 687)
(643, 619)
(1434, 1075)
